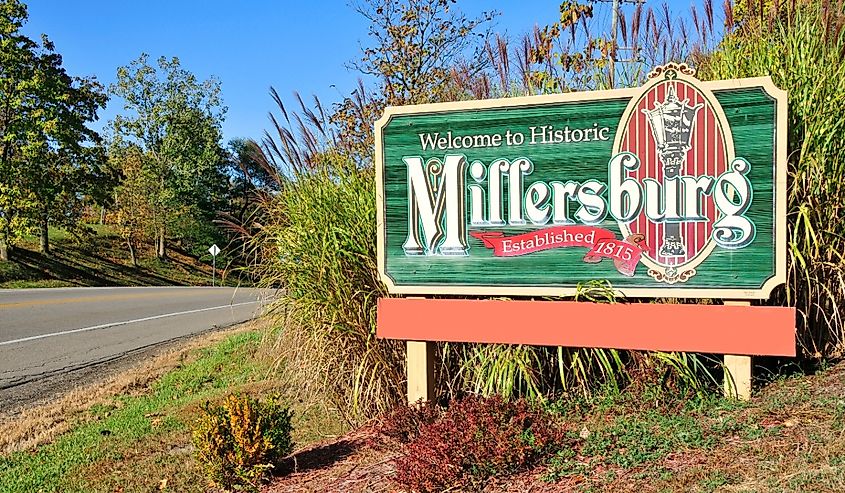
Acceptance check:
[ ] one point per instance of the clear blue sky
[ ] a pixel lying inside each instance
(249, 45)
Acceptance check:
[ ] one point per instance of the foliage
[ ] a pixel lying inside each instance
(404, 422)
(319, 243)
(414, 48)
(174, 121)
(415, 45)
(239, 441)
(478, 438)
(803, 49)
(132, 207)
(316, 238)
(99, 260)
(50, 161)
(577, 52)
(148, 408)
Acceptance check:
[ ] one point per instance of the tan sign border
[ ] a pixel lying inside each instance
(780, 96)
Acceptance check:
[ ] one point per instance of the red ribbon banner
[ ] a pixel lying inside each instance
(601, 242)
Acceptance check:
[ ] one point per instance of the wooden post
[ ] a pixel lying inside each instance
(738, 370)
(420, 371)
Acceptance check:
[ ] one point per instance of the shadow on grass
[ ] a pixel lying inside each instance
(86, 268)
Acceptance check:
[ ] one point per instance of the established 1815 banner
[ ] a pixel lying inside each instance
(674, 189)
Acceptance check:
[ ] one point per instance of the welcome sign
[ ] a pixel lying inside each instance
(674, 189)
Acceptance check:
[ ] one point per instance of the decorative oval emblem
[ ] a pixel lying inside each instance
(682, 143)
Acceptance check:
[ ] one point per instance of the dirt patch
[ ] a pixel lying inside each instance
(351, 464)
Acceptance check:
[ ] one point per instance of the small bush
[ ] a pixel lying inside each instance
(405, 422)
(238, 442)
(478, 438)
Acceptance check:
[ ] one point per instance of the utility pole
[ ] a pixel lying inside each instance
(614, 30)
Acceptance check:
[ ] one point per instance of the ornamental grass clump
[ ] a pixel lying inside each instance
(801, 45)
(318, 243)
(239, 441)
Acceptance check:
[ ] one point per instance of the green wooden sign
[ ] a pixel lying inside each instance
(674, 189)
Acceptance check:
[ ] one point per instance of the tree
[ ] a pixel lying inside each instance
(48, 155)
(415, 45)
(174, 120)
(69, 166)
(131, 202)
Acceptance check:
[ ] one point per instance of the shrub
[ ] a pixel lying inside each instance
(478, 438)
(238, 442)
(405, 422)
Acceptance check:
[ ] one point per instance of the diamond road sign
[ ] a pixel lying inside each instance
(214, 250)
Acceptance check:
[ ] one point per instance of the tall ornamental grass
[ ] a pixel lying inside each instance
(316, 236)
(802, 47)
(318, 244)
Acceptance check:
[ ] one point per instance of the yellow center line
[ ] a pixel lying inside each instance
(98, 298)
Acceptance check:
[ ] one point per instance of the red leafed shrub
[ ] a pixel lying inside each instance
(475, 439)
(405, 422)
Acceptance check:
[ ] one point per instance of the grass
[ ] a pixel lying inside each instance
(101, 260)
(789, 438)
(138, 439)
(133, 434)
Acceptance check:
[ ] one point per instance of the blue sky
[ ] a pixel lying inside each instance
(249, 45)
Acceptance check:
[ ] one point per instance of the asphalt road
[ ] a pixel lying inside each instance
(47, 332)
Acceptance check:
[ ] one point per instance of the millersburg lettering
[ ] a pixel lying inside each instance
(437, 199)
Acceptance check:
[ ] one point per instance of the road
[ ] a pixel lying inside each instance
(48, 332)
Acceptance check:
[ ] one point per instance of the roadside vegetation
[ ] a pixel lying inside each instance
(565, 418)
(317, 234)
(159, 175)
(133, 432)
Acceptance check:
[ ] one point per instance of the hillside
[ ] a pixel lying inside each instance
(101, 260)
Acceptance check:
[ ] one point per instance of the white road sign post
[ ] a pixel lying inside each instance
(214, 250)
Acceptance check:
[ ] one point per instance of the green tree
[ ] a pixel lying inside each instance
(131, 203)
(69, 166)
(49, 159)
(174, 120)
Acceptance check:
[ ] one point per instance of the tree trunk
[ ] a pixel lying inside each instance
(103, 215)
(131, 245)
(160, 244)
(44, 239)
(4, 249)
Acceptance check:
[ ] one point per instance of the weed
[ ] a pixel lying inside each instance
(565, 463)
(713, 481)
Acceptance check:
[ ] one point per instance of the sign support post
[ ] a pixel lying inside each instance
(737, 381)
(420, 371)
(214, 250)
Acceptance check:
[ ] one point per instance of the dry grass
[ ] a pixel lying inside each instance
(41, 424)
